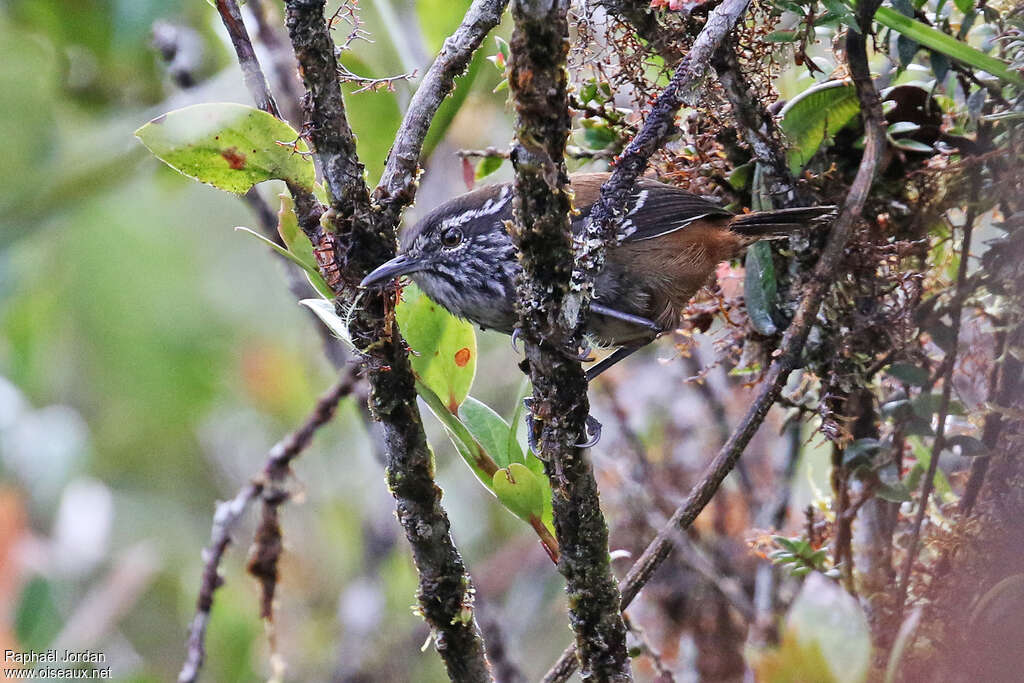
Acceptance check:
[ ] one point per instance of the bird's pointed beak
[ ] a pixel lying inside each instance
(396, 267)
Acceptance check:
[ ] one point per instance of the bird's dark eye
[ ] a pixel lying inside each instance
(452, 237)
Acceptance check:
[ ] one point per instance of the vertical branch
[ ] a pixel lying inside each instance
(362, 242)
(252, 74)
(788, 354)
(955, 312)
(538, 82)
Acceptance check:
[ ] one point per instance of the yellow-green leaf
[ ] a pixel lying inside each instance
(230, 146)
(521, 491)
(444, 347)
(299, 245)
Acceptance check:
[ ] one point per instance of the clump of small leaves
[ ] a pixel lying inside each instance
(800, 557)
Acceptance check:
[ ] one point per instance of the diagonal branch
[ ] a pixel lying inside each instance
(397, 186)
(792, 342)
(362, 242)
(683, 88)
(229, 513)
(538, 81)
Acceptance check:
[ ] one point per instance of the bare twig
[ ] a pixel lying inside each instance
(397, 186)
(252, 74)
(539, 85)
(788, 353)
(229, 513)
(928, 483)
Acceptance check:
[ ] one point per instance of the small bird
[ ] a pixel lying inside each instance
(462, 256)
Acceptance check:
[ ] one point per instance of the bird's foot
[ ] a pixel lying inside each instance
(592, 426)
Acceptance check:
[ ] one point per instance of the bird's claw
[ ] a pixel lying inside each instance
(584, 353)
(515, 339)
(593, 433)
(593, 430)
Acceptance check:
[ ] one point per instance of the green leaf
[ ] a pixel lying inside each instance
(826, 616)
(927, 405)
(760, 289)
(491, 432)
(815, 115)
(469, 449)
(903, 127)
(860, 451)
(444, 347)
(521, 491)
(909, 374)
(229, 146)
(312, 273)
(911, 145)
(946, 44)
(299, 245)
(487, 166)
(37, 621)
(894, 493)
(782, 37)
(325, 311)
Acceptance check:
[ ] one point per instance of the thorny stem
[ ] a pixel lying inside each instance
(541, 229)
(789, 350)
(228, 514)
(943, 413)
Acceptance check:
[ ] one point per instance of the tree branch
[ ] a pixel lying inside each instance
(939, 443)
(364, 241)
(538, 81)
(602, 226)
(229, 513)
(792, 342)
(397, 186)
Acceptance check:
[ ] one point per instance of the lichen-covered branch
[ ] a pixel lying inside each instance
(362, 242)
(397, 186)
(788, 354)
(538, 81)
(682, 88)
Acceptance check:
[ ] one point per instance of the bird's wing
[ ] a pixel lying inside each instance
(663, 208)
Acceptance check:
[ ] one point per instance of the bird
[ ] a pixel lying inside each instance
(462, 256)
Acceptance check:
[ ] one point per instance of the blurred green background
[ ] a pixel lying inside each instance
(150, 356)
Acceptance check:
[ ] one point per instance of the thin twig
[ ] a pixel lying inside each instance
(252, 74)
(541, 229)
(397, 186)
(943, 412)
(792, 342)
(228, 514)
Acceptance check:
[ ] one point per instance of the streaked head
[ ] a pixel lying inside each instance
(462, 256)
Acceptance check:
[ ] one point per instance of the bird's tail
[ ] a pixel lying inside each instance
(781, 221)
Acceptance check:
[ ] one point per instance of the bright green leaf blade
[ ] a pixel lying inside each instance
(444, 347)
(491, 431)
(230, 146)
(815, 115)
(946, 44)
(521, 491)
(297, 243)
(469, 449)
(487, 166)
(325, 311)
